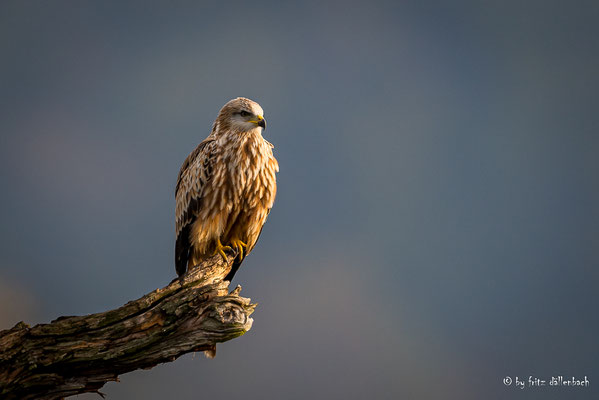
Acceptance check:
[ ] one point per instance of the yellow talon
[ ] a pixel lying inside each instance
(239, 245)
(221, 249)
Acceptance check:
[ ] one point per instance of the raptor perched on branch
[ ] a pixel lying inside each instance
(225, 189)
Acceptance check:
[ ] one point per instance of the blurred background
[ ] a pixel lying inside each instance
(436, 227)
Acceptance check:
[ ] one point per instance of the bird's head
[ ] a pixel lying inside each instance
(241, 115)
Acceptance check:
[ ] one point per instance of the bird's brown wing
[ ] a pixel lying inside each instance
(194, 175)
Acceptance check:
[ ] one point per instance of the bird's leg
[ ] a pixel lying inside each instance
(221, 249)
(239, 245)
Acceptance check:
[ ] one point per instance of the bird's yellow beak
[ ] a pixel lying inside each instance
(260, 121)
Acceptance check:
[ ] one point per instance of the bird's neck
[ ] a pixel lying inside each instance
(239, 137)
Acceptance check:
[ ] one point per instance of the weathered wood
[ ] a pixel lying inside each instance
(74, 355)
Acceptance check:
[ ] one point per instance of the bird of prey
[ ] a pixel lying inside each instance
(225, 189)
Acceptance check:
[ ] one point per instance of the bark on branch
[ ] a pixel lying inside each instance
(74, 355)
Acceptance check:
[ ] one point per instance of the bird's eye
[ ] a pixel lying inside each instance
(244, 113)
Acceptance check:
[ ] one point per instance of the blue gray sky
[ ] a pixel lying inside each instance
(436, 227)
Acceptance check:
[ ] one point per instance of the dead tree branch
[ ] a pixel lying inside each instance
(74, 355)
